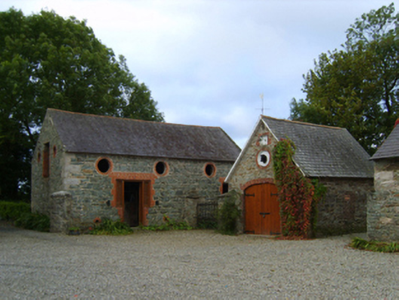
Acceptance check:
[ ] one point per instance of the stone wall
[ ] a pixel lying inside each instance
(43, 187)
(60, 211)
(344, 209)
(383, 205)
(90, 190)
(247, 170)
(176, 194)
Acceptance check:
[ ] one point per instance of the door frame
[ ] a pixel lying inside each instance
(148, 180)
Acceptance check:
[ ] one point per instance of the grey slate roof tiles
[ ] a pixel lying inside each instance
(84, 133)
(323, 151)
(390, 147)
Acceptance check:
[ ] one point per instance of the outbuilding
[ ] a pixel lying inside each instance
(329, 154)
(87, 167)
(383, 205)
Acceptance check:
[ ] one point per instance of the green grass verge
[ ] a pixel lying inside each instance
(109, 227)
(374, 246)
(169, 224)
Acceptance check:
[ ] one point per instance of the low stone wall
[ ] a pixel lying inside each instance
(383, 205)
(344, 209)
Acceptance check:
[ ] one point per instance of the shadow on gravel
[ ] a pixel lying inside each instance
(7, 227)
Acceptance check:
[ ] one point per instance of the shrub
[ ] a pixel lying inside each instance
(109, 227)
(32, 221)
(298, 196)
(374, 246)
(229, 214)
(169, 224)
(11, 211)
(209, 224)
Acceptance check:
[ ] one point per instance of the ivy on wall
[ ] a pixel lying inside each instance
(298, 196)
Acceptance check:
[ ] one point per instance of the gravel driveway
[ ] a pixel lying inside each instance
(195, 264)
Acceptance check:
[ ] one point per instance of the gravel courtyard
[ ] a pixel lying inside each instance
(195, 264)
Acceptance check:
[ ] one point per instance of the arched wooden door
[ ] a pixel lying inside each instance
(262, 210)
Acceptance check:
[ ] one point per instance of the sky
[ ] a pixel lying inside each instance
(211, 62)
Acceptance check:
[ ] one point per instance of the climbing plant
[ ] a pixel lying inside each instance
(298, 197)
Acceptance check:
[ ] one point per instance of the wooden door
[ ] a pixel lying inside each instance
(262, 210)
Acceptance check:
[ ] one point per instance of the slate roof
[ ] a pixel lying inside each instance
(84, 133)
(323, 151)
(390, 147)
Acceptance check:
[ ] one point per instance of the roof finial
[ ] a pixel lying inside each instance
(262, 109)
(261, 97)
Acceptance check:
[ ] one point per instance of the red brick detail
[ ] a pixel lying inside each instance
(166, 172)
(256, 181)
(134, 177)
(259, 137)
(221, 180)
(111, 166)
(46, 160)
(214, 169)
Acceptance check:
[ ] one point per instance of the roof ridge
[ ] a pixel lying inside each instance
(303, 123)
(130, 119)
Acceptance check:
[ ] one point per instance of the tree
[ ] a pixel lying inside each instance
(357, 87)
(48, 61)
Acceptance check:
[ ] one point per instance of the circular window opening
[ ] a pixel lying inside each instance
(210, 170)
(263, 158)
(103, 165)
(160, 168)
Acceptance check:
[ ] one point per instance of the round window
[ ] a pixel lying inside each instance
(161, 168)
(103, 165)
(210, 169)
(263, 158)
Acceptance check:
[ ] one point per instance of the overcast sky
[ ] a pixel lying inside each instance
(208, 62)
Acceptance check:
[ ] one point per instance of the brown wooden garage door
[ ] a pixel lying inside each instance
(262, 211)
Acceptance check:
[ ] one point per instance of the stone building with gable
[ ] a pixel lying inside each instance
(86, 167)
(329, 154)
(383, 205)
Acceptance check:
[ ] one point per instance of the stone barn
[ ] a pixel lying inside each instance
(86, 167)
(383, 205)
(329, 154)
